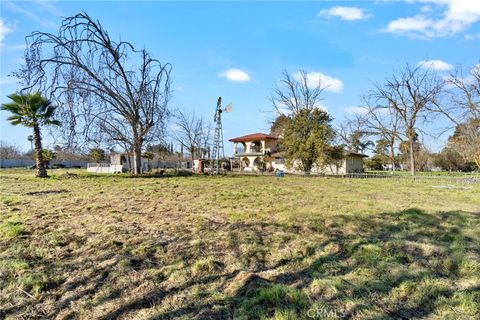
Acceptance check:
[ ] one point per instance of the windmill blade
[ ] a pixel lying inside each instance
(228, 108)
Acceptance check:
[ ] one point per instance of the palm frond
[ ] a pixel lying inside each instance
(30, 109)
(12, 107)
(17, 98)
(15, 120)
(53, 122)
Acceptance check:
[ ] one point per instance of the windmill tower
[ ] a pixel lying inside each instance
(218, 151)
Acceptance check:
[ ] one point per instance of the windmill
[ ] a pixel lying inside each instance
(218, 151)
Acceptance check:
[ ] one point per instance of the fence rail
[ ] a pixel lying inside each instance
(96, 164)
(455, 179)
(423, 177)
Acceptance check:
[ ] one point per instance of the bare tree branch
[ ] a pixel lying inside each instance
(407, 98)
(106, 88)
(296, 93)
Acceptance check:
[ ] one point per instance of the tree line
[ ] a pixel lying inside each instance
(413, 105)
(91, 90)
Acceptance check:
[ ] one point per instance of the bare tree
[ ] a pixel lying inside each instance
(410, 95)
(464, 94)
(296, 92)
(107, 89)
(191, 131)
(354, 134)
(9, 151)
(385, 124)
(463, 111)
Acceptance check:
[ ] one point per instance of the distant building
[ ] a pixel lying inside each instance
(257, 151)
(119, 162)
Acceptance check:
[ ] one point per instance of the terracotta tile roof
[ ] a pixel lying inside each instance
(253, 137)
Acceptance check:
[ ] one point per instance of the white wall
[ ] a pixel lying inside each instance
(20, 163)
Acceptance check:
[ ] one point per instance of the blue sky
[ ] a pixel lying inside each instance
(238, 50)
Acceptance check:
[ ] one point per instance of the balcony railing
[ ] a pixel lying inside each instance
(268, 151)
(249, 154)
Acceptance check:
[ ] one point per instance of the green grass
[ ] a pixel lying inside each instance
(11, 228)
(244, 247)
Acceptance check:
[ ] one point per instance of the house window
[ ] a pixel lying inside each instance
(256, 147)
(279, 161)
(240, 148)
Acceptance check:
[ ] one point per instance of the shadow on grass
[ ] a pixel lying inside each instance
(395, 265)
(401, 265)
(46, 192)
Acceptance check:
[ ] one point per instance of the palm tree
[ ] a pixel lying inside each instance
(32, 110)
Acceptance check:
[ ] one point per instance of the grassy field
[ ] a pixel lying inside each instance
(243, 247)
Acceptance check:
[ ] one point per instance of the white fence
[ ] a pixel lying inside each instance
(421, 177)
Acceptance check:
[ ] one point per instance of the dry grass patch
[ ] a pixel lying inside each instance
(114, 247)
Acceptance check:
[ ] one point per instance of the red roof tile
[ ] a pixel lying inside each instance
(253, 137)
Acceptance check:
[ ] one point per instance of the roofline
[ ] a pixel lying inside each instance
(349, 152)
(247, 137)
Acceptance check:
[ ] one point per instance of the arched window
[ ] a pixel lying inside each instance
(241, 147)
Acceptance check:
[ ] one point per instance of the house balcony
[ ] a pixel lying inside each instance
(254, 153)
(249, 154)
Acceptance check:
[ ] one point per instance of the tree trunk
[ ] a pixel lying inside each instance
(412, 156)
(137, 159)
(40, 164)
(307, 168)
(192, 156)
(392, 154)
(129, 160)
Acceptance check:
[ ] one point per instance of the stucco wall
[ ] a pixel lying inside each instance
(351, 164)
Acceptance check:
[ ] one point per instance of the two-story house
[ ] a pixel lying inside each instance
(260, 150)
(254, 150)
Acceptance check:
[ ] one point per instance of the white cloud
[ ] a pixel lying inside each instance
(435, 64)
(236, 75)
(455, 16)
(43, 12)
(315, 78)
(345, 13)
(470, 36)
(403, 25)
(4, 30)
(356, 110)
(426, 8)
